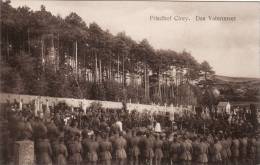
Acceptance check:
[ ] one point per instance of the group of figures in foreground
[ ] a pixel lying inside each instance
(118, 137)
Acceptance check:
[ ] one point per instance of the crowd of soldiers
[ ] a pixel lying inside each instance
(110, 136)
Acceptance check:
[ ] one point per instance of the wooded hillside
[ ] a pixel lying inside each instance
(48, 55)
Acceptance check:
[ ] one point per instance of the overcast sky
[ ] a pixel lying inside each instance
(232, 48)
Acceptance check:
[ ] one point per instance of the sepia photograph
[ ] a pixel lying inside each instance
(129, 82)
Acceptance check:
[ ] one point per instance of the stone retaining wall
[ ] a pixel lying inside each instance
(82, 102)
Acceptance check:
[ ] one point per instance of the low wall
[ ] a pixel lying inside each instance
(82, 102)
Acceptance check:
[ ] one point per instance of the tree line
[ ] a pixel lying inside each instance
(44, 54)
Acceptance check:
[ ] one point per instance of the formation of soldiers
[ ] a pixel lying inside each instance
(95, 137)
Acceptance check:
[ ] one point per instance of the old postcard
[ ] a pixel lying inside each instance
(129, 83)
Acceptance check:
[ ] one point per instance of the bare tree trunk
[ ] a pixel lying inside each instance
(85, 68)
(172, 92)
(20, 45)
(8, 53)
(107, 72)
(28, 35)
(124, 76)
(22, 48)
(159, 86)
(137, 92)
(148, 86)
(123, 68)
(177, 90)
(100, 71)
(53, 58)
(118, 67)
(110, 69)
(146, 83)
(42, 52)
(76, 58)
(96, 70)
(163, 88)
(145, 90)
(166, 87)
(57, 59)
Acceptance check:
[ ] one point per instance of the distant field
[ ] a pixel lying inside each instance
(239, 82)
(239, 90)
(237, 79)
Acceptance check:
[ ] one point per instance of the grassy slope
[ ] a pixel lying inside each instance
(238, 83)
(237, 79)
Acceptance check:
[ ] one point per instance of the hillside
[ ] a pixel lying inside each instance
(244, 81)
(238, 88)
(236, 79)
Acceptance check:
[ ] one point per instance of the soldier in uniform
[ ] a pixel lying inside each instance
(257, 149)
(243, 149)
(128, 137)
(55, 145)
(216, 148)
(120, 145)
(210, 141)
(27, 130)
(39, 132)
(185, 151)
(196, 149)
(166, 148)
(224, 151)
(13, 120)
(75, 150)
(158, 154)
(54, 136)
(91, 151)
(203, 151)
(252, 150)
(134, 150)
(175, 150)
(61, 153)
(53, 131)
(74, 131)
(20, 127)
(229, 143)
(105, 151)
(235, 150)
(148, 149)
(44, 151)
(85, 141)
(40, 129)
